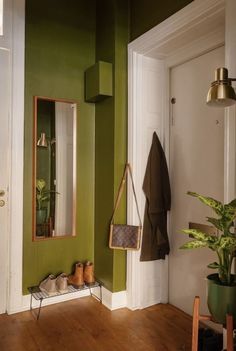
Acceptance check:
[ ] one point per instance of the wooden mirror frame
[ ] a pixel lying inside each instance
(34, 171)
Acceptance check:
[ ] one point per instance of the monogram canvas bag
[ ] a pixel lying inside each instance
(124, 236)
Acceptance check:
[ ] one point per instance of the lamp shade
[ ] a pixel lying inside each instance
(42, 140)
(221, 92)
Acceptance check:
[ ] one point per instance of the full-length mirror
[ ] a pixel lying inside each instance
(54, 168)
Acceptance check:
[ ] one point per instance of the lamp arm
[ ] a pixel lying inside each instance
(232, 79)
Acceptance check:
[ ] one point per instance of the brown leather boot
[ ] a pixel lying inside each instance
(89, 273)
(77, 278)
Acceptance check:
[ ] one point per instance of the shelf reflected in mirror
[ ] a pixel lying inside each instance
(54, 168)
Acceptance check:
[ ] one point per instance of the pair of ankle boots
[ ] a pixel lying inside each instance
(84, 274)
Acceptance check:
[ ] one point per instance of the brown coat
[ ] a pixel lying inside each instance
(156, 186)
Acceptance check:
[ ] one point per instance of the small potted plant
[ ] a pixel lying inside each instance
(221, 285)
(42, 197)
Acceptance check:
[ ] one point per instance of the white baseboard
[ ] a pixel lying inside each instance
(25, 301)
(111, 300)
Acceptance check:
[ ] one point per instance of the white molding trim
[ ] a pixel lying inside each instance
(17, 158)
(154, 44)
(25, 305)
(192, 15)
(134, 76)
(202, 45)
(114, 301)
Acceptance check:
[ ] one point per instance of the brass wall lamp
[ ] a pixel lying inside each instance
(221, 92)
(43, 141)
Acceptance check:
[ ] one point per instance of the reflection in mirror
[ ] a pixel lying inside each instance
(54, 168)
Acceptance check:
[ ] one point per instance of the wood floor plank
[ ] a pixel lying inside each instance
(86, 325)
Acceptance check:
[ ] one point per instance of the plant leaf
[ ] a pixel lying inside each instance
(214, 265)
(40, 184)
(216, 205)
(198, 235)
(227, 243)
(232, 204)
(195, 244)
(44, 198)
(216, 222)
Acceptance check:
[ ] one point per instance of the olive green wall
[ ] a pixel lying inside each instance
(110, 141)
(145, 14)
(60, 46)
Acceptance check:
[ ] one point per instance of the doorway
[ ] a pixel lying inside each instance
(196, 164)
(195, 30)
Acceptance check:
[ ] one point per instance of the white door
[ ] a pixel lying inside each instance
(196, 164)
(5, 98)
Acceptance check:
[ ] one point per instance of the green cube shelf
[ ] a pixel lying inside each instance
(98, 82)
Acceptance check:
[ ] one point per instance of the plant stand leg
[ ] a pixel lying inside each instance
(195, 323)
(196, 318)
(228, 334)
(229, 325)
(224, 338)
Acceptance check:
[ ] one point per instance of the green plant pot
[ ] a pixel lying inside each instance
(221, 299)
(41, 216)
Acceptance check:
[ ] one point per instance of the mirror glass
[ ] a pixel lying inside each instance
(54, 169)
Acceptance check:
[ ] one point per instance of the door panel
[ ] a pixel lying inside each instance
(196, 164)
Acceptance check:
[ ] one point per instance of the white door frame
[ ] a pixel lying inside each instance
(202, 18)
(12, 41)
(5, 69)
(16, 128)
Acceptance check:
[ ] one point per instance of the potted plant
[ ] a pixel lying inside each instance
(42, 197)
(221, 285)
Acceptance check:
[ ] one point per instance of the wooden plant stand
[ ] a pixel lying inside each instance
(197, 317)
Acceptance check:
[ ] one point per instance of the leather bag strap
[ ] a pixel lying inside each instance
(127, 171)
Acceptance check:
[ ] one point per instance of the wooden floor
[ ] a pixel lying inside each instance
(86, 325)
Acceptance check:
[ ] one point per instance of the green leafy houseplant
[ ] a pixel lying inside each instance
(42, 195)
(224, 243)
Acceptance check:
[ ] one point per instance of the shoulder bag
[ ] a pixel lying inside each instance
(124, 236)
